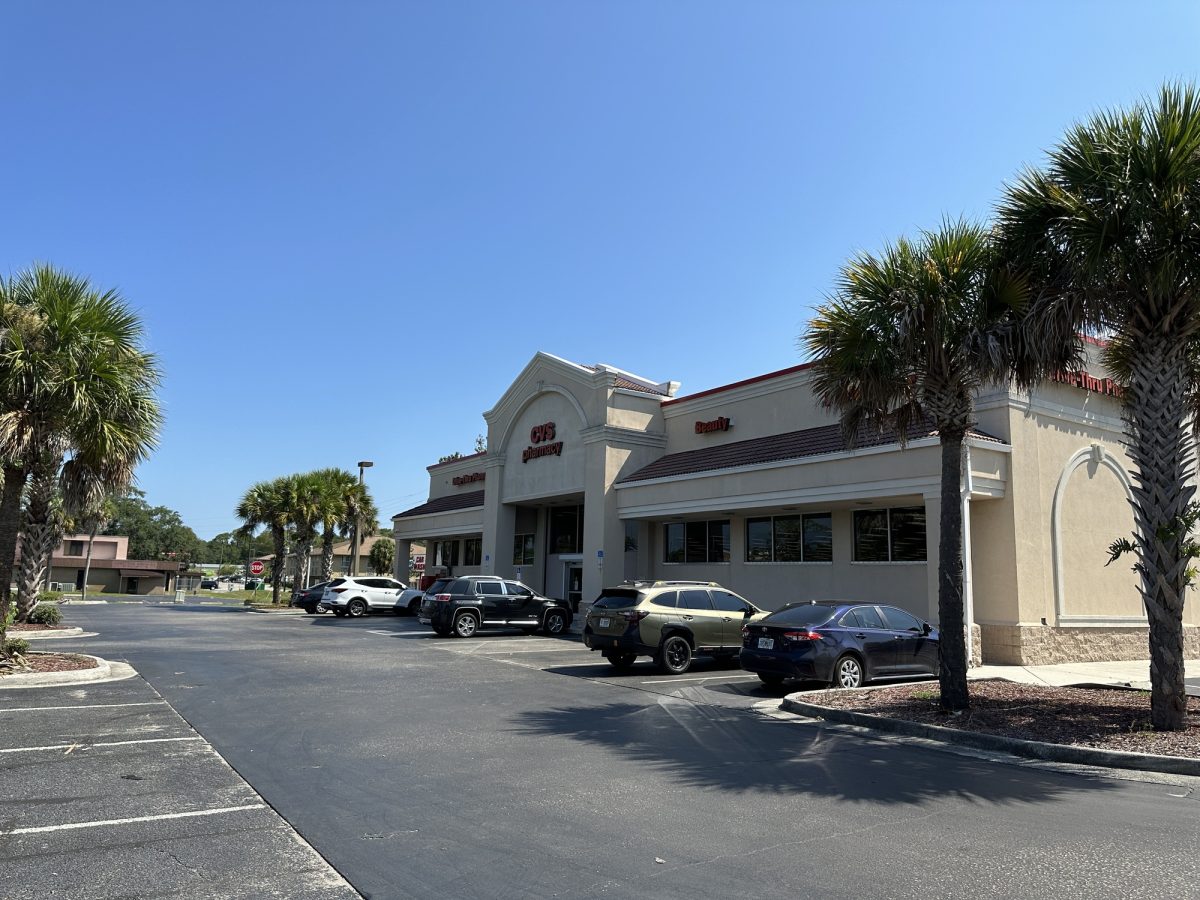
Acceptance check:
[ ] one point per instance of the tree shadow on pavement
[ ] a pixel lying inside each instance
(719, 748)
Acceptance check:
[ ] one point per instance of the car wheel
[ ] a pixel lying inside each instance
(465, 625)
(339, 612)
(356, 608)
(675, 655)
(555, 622)
(442, 632)
(312, 610)
(847, 672)
(622, 662)
(414, 607)
(770, 679)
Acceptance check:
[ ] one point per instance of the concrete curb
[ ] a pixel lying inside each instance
(1087, 756)
(282, 611)
(101, 672)
(46, 635)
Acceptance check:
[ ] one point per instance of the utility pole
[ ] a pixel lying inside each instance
(354, 544)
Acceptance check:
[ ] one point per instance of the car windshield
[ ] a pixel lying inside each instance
(616, 600)
(806, 614)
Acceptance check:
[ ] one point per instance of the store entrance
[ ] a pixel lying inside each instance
(573, 584)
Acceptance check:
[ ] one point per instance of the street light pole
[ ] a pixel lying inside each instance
(354, 545)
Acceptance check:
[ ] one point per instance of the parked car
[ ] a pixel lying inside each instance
(472, 602)
(410, 600)
(671, 621)
(362, 594)
(310, 598)
(208, 584)
(846, 644)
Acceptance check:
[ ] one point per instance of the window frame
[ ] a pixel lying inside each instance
(685, 542)
(803, 518)
(888, 529)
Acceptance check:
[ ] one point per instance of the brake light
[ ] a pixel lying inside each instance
(442, 598)
(340, 590)
(802, 635)
(634, 615)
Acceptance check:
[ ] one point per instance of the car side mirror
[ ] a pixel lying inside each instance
(748, 611)
(926, 628)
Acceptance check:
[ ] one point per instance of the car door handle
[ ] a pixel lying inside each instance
(689, 618)
(860, 636)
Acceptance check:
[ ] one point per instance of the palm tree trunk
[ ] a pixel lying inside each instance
(278, 565)
(37, 542)
(327, 554)
(87, 566)
(303, 552)
(10, 528)
(952, 675)
(1156, 414)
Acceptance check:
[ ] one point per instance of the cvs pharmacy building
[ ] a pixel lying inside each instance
(594, 475)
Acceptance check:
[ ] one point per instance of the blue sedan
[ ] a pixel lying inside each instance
(839, 642)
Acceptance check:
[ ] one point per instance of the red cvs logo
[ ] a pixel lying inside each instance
(540, 433)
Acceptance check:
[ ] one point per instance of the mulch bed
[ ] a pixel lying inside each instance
(26, 626)
(53, 662)
(1086, 717)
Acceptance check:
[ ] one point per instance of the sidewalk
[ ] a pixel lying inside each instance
(1133, 673)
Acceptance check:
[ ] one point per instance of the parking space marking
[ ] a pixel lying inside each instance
(700, 678)
(81, 706)
(84, 744)
(505, 651)
(41, 829)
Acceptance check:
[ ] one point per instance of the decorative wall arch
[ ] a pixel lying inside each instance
(1094, 453)
(542, 389)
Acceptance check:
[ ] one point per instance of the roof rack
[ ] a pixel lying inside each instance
(665, 583)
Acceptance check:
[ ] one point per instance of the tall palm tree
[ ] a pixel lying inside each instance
(309, 497)
(92, 519)
(912, 334)
(77, 404)
(1109, 231)
(344, 502)
(269, 503)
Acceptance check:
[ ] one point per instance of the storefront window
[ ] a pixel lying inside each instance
(566, 529)
(631, 534)
(696, 542)
(472, 551)
(890, 535)
(806, 538)
(445, 553)
(758, 540)
(523, 550)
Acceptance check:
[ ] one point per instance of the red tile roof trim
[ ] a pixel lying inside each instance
(736, 384)
(778, 448)
(450, 503)
(626, 384)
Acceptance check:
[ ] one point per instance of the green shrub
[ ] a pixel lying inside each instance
(49, 596)
(45, 615)
(14, 647)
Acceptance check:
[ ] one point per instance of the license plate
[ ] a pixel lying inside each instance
(604, 623)
(766, 643)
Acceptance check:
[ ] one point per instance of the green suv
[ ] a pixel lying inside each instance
(672, 621)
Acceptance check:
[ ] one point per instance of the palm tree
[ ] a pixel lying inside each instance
(309, 497)
(270, 503)
(93, 519)
(1109, 233)
(344, 501)
(912, 334)
(77, 407)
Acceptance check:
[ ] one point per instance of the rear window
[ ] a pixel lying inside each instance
(807, 614)
(616, 600)
(435, 588)
(337, 581)
(461, 586)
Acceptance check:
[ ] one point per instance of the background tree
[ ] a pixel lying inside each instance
(95, 517)
(909, 336)
(310, 495)
(382, 556)
(269, 503)
(1109, 232)
(154, 532)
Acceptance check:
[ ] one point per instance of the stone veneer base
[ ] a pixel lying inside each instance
(1045, 645)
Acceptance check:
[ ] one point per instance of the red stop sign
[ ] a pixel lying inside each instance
(256, 567)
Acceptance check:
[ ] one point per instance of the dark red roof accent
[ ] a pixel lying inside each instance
(779, 447)
(726, 387)
(449, 503)
(456, 459)
(142, 565)
(628, 385)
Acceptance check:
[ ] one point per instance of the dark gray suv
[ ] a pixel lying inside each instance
(469, 603)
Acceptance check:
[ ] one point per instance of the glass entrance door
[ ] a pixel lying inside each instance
(574, 585)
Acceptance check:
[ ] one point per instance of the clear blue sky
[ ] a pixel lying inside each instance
(348, 226)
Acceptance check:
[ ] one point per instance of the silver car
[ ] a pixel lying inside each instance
(362, 594)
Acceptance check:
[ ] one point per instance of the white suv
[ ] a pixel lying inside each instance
(362, 594)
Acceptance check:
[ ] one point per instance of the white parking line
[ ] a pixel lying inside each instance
(504, 652)
(42, 829)
(86, 744)
(702, 678)
(82, 706)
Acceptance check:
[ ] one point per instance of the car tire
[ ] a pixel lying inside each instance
(675, 655)
(339, 613)
(312, 610)
(356, 608)
(414, 607)
(465, 625)
(771, 679)
(555, 622)
(848, 672)
(442, 632)
(622, 662)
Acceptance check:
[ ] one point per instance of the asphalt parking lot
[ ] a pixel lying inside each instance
(108, 792)
(524, 766)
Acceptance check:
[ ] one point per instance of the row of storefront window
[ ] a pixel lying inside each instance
(880, 535)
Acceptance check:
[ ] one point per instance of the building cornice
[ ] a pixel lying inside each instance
(614, 434)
